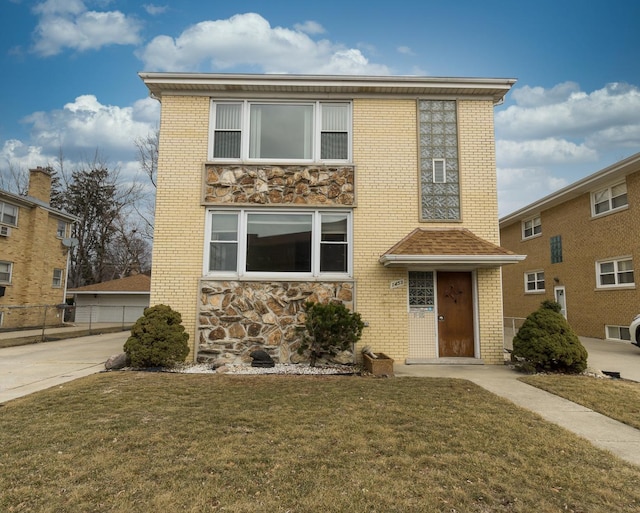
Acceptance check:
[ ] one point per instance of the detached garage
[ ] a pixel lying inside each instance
(115, 301)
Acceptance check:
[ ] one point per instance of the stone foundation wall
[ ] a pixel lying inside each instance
(278, 185)
(238, 317)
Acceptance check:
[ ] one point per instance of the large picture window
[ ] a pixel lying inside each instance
(310, 131)
(306, 243)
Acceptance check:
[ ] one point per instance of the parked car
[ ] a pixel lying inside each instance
(634, 330)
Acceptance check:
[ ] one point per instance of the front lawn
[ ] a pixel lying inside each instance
(615, 398)
(154, 442)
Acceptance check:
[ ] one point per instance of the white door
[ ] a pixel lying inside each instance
(561, 299)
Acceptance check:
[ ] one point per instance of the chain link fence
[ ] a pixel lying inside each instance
(15, 317)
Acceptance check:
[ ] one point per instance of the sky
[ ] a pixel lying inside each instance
(69, 71)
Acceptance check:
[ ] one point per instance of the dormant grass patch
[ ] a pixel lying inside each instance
(160, 442)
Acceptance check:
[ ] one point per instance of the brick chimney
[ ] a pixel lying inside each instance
(40, 184)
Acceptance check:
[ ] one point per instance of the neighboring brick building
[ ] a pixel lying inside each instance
(34, 249)
(376, 191)
(582, 247)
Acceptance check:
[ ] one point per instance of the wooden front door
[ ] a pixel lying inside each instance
(455, 314)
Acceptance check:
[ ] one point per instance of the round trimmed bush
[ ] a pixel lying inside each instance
(157, 339)
(546, 342)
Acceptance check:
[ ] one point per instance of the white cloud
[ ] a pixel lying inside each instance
(536, 152)
(518, 187)
(249, 40)
(405, 50)
(85, 125)
(154, 10)
(68, 24)
(579, 114)
(309, 27)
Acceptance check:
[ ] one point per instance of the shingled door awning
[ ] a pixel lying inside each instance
(447, 247)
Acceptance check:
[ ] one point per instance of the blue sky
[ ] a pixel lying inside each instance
(69, 70)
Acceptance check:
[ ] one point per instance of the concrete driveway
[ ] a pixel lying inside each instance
(29, 368)
(613, 356)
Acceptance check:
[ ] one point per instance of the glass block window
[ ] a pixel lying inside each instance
(421, 290)
(556, 249)
(439, 168)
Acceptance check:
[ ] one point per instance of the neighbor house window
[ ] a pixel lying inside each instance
(609, 199)
(618, 332)
(5, 272)
(534, 281)
(531, 227)
(308, 131)
(8, 214)
(246, 242)
(615, 273)
(61, 230)
(57, 278)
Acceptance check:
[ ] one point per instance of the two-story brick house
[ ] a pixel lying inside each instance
(379, 192)
(582, 247)
(34, 251)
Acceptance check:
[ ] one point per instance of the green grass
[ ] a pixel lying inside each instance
(152, 442)
(615, 398)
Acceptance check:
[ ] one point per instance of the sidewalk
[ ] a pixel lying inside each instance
(34, 336)
(603, 432)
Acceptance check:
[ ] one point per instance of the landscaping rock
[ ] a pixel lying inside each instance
(116, 362)
(261, 359)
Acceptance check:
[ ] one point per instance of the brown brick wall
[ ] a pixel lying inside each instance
(585, 240)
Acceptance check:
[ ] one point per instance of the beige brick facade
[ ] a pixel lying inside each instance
(387, 208)
(585, 241)
(33, 249)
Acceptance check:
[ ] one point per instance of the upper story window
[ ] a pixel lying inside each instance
(531, 227)
(534, 281)
(61, 230)
(275, 243)
(615, 273)
(5, 272)
(609, 199)
(305, 131)
(8, 214)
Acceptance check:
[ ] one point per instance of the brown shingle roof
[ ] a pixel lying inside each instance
(135, 283)
(450, 245)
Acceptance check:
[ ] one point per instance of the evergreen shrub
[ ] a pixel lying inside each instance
(546, 342)
(330, 328)
(157, 339)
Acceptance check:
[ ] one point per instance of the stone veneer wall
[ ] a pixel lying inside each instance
(278, 185)
(238, 317)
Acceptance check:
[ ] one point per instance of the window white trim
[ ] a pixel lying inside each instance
(534, 282)
(439, 171)
(248, 143)
(316, 244)
(609, 199)
(531, 227)
(612, 332)
(615, 273)
(6, 269)
(10, 211)
(56, 281)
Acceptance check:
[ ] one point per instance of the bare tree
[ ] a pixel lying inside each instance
(94, 194)
(148, 159)
(14, 178)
